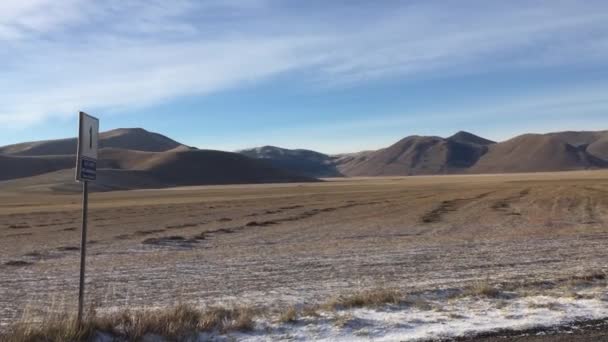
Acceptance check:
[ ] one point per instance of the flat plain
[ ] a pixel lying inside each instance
(275, 245)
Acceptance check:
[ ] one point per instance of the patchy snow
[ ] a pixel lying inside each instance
(450, 319)
(427, 318)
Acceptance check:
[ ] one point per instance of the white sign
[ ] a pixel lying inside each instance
(88, 142)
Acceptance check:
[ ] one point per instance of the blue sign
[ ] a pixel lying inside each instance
(88, 169)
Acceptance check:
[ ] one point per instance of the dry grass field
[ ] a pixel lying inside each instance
(276, 245)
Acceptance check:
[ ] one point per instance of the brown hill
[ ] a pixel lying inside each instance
(418, 155)
(132, 159)
(546, 152)
(347, 161)
(127, 169)
(125, 138)
(214, 167)
(135, 158)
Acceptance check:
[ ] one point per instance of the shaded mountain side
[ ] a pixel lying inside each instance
(578, 138)
(124, 138)
(62, 181)
(19, 166)
(145, 170)
(304, 162)
(186, 167)
(215, 167)
(418, 155)
(15, 166)
(469, 138)
(115, 158)
(599, 148)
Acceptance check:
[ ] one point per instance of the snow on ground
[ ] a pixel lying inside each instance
(426, 319)
(458, 317)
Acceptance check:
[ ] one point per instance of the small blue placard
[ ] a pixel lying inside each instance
(88, 169)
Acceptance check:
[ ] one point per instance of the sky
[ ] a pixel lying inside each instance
(334, 76)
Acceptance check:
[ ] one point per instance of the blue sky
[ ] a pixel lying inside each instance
(334, 76)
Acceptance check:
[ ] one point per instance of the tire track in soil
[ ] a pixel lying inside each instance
(253, 224)
(593, 205)
(504, 205)
(447, 206)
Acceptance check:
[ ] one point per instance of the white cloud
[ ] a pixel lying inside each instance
(22, 18)
(61, 56)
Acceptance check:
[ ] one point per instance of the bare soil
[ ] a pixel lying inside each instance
(299, 243)
(585, 331)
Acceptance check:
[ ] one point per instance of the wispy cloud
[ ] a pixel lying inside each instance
(61, 56)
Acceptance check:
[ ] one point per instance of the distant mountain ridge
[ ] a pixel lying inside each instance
(132, 159)
(136, 158)
(420, 155)
(561, 151)
(467, 153)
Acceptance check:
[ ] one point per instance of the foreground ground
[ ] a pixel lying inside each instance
(277, 245)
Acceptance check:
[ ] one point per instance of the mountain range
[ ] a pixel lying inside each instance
(136, 159)
(461, 153)
(131, 159)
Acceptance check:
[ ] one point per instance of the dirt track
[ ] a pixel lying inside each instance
(586, 331)
(280, 244)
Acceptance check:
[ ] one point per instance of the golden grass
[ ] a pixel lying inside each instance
(52, 329)
(225, 320)
(182, 321)
(290, 315)
(310, 311)
(482, 289)
(366, 298)
(176, 324)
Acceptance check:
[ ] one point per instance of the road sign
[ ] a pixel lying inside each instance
(86, 170)
(88, 142)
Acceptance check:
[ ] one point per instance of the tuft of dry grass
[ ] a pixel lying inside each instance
(310, 311)
(290, 315)
(587, 279)
(482, 289)
(366, 298)
(225, 320)
(176, 324)
(53, 328)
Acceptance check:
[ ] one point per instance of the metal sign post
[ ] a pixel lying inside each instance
(86, 170)
(83, 249)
